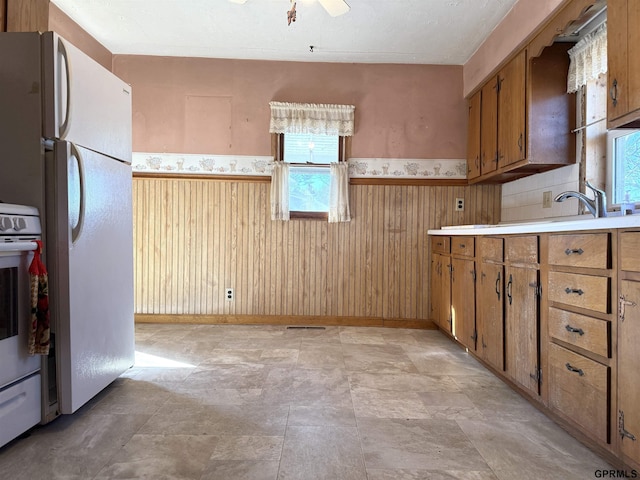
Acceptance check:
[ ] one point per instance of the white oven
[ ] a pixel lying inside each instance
(20, 399)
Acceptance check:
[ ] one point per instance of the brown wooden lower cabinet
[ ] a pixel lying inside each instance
(490, 318)
(628, 428)
(579, 388)
(441, 291)
(463, 312)
(559, 327)
(522, 362)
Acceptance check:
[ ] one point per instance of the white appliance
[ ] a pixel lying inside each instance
(65, 147)
(19, 372)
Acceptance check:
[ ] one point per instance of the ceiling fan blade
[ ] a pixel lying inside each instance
(335, 7)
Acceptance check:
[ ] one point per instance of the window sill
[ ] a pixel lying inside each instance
(309, 216)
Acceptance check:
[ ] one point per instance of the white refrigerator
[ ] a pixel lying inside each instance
(65, 148)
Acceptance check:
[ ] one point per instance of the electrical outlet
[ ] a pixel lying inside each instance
(228, 294)
(459, 204)
(546, 199)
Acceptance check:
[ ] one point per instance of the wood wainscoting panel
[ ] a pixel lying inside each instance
(196, 237)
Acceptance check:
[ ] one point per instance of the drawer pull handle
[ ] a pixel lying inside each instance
(462, 245)
(571, 329)
(579, 291)
(569, 251)
(574, 369)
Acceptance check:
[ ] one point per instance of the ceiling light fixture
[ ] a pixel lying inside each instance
(291, 14)
(335, 8)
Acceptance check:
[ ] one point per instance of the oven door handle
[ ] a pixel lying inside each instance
(18, 246)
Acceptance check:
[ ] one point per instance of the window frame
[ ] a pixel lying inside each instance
(612, 163)
(279, 156)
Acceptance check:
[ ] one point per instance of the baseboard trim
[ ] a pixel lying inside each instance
(286, 320)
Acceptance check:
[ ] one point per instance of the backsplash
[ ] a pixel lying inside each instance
(522, 199)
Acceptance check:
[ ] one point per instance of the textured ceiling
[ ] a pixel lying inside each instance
(373, 31)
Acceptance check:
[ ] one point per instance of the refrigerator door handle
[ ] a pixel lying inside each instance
(76, 229)
(64, 126)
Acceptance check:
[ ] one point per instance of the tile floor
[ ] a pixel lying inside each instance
(242, 402)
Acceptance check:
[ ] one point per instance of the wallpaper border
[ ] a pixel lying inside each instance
(247, 165)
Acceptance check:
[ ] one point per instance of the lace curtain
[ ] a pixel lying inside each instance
(319, 119)
(339, 193)
(280, 191)
(588, 59)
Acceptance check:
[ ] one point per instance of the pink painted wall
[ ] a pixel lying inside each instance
(523, 19)
(60, 23)
(220, 106)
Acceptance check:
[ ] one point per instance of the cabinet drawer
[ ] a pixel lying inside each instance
(522, 249)
(584, 291)
(463, 246)
(440, 244)
(585, 332)
(590, 250)
(629, 248)
(579, 388)
(491, 249)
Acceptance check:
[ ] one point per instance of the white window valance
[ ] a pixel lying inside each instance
(588, 59)
(316, 118)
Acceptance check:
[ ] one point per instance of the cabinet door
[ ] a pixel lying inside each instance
(489, 130)
(441, 291)
(445, 294)
(511, 111)
(628, 361)
(473, 138)
(633, 53)
(436, 287)
(522, 326)
(463, 309)
(617, 104)
(490, 314)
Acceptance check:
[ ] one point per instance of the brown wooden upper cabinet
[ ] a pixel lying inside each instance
(511, 111)
(3, 15)
(526, 118)
(473, 139)
(623, 57)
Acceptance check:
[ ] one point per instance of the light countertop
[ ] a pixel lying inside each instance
(542, 226)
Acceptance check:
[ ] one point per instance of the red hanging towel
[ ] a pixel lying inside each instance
(40, 329)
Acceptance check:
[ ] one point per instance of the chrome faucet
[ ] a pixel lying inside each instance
(597, 206)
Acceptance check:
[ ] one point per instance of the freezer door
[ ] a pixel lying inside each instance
(91, 278)
(84, 103)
